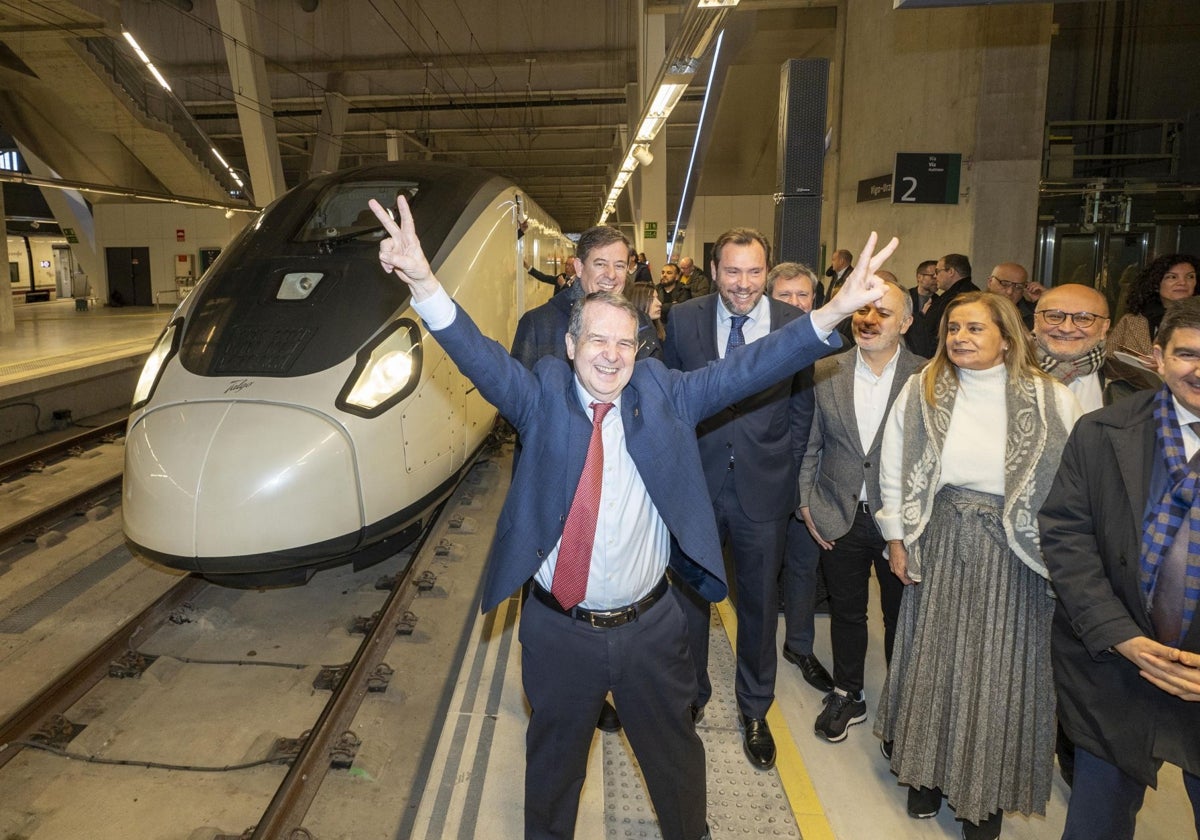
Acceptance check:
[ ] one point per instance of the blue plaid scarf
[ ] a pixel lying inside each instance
(1164, 519)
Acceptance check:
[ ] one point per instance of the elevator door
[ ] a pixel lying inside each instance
(129, 276)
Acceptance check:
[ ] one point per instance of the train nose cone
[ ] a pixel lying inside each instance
(238, 479)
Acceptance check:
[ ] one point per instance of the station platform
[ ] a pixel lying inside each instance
(63, 358)
(817, 791)
(55, 342)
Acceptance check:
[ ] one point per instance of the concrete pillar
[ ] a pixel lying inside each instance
(327, 149)
(651, 206)
(252, 96)
(8, 321)
(1010, 125)
(72, 214)
(970, 81)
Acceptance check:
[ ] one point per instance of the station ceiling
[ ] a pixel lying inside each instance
(542, 93)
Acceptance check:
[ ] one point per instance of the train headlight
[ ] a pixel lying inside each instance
(387, 371)
(168, 344)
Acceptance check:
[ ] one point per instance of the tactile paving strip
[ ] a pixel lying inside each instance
(742, 801)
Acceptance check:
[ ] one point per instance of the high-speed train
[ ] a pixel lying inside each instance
(294, 414)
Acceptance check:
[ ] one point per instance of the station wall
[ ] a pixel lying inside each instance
(168, 231)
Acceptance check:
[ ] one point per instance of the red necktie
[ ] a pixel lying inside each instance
(575, 549)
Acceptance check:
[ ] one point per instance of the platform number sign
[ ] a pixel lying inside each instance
(926, 178)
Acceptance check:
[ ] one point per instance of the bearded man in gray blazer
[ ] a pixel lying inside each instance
(839, 491)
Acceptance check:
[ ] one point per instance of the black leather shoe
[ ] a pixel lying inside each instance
(924, 803)
(811, 669)
(989, 829)
(697, 714)
(758, 742)
(608, 722)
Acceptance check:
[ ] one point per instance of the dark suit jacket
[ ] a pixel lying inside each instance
(767, 432)
(925, 343)
(1091, 528)
(659, 409)
(915, 338)
(542, 330)
(837, 462)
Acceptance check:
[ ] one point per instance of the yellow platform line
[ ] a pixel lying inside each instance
(793, 775)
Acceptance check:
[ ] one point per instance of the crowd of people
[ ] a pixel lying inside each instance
(1021, 479)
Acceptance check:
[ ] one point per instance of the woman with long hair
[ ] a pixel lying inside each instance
(969, 453)
(645, 298)
(1167, 279)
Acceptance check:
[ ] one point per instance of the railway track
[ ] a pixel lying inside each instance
(43, 713)
(27, 523)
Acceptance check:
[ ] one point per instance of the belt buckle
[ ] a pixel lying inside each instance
(607, 619)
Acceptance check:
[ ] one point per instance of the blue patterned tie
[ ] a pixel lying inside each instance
(736, 339)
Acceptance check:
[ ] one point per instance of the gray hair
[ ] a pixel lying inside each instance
(788, 270)
(575, 324)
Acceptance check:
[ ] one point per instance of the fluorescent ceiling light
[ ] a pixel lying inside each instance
(717, 4)
(145, 60)
(666, 97)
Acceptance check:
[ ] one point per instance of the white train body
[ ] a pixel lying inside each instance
(295, 414)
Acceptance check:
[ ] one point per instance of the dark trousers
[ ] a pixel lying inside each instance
(847, 570)
(756, 550)
(568, 667)
(1105, 800)
(800, 559)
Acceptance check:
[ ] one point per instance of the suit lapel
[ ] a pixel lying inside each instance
(579, 436)
(707, 325)
(1133, 447)
(843, 389)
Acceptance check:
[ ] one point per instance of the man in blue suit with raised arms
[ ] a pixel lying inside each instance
(588, 522)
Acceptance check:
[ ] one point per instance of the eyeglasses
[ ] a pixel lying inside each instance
(1009, 285)
(1054, 317)
(927, 274)
(942, 270)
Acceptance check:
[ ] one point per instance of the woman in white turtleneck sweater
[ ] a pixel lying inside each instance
(969, 453)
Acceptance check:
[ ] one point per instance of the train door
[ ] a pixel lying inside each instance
(128, 276)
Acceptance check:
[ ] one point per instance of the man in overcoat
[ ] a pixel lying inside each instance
(1121, 538)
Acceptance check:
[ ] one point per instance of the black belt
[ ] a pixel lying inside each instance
(603, 619)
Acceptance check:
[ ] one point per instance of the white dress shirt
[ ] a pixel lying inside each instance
(632, 544)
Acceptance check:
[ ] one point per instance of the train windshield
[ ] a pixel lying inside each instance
(342, 213)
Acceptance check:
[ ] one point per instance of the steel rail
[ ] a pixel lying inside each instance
(300, 786)
(20, 530)
(81, 677)
(21, 463)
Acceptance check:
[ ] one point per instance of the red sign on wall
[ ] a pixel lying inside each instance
(179, 235)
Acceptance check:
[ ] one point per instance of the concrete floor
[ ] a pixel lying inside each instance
(53, 335)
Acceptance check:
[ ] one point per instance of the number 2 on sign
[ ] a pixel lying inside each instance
(912, 188)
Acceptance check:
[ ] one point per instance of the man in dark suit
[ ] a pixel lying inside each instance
(796, 284)
(923, 294)
(751, 453)
(601, 264)
(1120, 533)
(840, 266)
(839, 489)
(616, 633)
(953, 279)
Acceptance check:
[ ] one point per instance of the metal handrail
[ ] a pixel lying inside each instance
(158, 104)
(1111, 149)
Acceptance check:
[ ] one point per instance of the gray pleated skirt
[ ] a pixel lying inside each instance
(969, 697)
